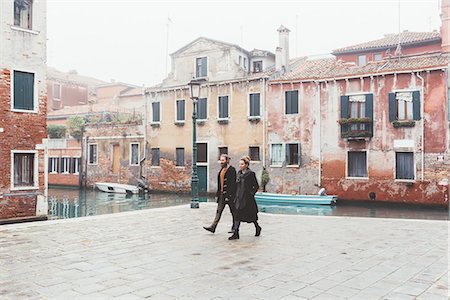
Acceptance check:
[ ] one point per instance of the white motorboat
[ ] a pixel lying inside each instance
(118, 188)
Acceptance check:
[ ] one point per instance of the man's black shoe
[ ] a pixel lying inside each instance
(210, 229)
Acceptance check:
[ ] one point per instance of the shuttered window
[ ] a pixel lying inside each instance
(202, 152)
(253, 152)
(134, 155)
(202, 67)
(293, 154)
(180, 157)
(404, 106)
(276, 158)
(23, 90)
(255, 105)
(357, 164)
(24, 169)
(155, 157)
(156, 112)
(404, 162)
(181, 110)
(223, 107)
(93, 154)
(202, 109)
(291, 102)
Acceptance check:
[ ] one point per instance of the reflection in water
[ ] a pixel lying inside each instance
(66, 203)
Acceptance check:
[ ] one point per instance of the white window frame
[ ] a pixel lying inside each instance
(63, 165)
(367, 166)
(57, 159)
(248, 106)
(131, 153)
(395, 166)
(218, 108)
(412, 103)
(195, 66)
(78, 164)
(365, 60)
(89, 154)
(176, 111)
(271, 155)
(35, 171)
(35, 92)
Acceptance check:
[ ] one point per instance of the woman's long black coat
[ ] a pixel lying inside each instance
(246, 209)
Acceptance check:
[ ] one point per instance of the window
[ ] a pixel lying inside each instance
(93, 154)
(56, 91)
(223, 107)
(245, 63)
(240, 60)
(23, 10)
(65, 165)
(156, 112)
(378, 56)
(257, 66)
(202, 152)
(362, 60)
(180, 157)
(53, 165)
(202, 67)
(255, 105)
(276, 157)
(253, 152)
(404, 106)
(75, 165)
(357, 164)
(23, 90)
(155, 157)
(293, 154)
(24, 169)
(404, 163)
(357, 110)
(202, 109)
(291, 102)
(181, 113)
(134, 154)
(222, 150)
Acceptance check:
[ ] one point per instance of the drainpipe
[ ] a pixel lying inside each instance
(145, 132)
(319, 122)
(264, 121)
(422, 110)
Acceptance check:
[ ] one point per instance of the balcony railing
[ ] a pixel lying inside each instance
(356, 128)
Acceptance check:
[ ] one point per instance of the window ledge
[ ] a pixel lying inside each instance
(134, 165)
(89, 164)
(201, 121)
(254, 118)
(357, 178)
(407, 181)
(17, 28)
(180, 123)
(155, 167)
(180, 167)
(293, 166)
(223, 120)
(35, 111)
(404, 123)
(155, 124)
(24, 188)
(276, 166)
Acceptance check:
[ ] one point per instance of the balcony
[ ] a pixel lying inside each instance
(356, 129)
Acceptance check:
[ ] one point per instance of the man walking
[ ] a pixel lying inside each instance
(226, 188)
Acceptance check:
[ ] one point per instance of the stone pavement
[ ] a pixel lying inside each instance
(165, 254)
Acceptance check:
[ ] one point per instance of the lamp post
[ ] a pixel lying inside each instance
(194, 87)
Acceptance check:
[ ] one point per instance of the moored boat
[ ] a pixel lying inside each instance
(110, 187)
(294, 200)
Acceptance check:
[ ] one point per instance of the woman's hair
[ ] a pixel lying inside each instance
(246, 160)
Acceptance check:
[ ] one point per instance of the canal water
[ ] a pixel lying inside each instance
(70, 203)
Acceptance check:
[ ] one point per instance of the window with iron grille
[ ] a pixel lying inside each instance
(253, 152)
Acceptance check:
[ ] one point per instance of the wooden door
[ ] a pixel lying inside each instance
(115, 159)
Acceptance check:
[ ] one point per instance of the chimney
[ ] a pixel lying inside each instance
(278, 59)
(283, 35)
(445, 26)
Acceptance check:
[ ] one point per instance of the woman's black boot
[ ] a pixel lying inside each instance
(258, 229)
(235, 235)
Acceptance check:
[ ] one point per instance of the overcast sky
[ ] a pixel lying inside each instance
(126, 40)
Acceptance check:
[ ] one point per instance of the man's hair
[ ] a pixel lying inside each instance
(226, 156)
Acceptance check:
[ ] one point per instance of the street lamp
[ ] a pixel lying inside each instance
(194, 87)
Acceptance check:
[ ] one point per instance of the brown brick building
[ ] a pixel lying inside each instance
(23, 108)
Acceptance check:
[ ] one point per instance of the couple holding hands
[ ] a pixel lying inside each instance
(238, 191)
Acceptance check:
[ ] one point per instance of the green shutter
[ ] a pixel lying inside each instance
(23, 90)
(299, 155)
(287, 154)
(416, 105)
(392, 107)
(296, 103)
(288, 103)
(369, 106)
(344, 107)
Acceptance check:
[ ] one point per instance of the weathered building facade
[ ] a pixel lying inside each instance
(23, 107)
(366, 128)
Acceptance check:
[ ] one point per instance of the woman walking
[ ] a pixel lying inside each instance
(244, 202)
